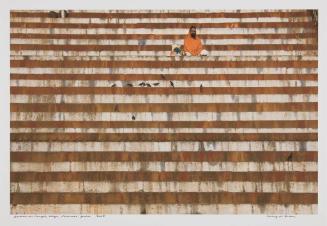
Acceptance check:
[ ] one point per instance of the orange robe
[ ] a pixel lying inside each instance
(193, 46)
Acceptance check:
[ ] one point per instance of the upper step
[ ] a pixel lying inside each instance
(167, 13)
(153, 32)
(75, 20)
(152, 20)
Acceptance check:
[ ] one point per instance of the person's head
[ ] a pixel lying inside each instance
(193, 31)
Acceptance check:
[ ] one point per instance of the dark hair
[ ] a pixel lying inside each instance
(192, 27)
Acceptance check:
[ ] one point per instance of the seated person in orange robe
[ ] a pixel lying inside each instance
(193, 45)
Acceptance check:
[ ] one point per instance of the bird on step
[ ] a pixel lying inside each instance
(171, 83)
(63, 13)
(290, 157)
(53, 14)
(60, 14)
(142, 84)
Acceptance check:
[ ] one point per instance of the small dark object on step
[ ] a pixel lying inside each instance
(172, 84)
(201, 86)
(177, 50)
(133, 117)
(290, 157)
(141, 42)
(148, 85)
(53, 14)
(113, 85)
(156, 84)
(143, 210)
(163, 76)
(129, 84)
(142, 84)
(63, 13)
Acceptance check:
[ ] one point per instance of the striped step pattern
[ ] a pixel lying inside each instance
(105, 121)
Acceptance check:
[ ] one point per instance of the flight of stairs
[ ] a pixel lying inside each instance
(102, 86)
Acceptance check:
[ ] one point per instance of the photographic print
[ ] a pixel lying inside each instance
(164, 111)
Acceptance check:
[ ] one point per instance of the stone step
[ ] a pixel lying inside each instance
(169, 186)
(158, 98)
(174, 25)
(185, 83)
(121, 14)
(70, 20)
(168, 58)
(135, 64)
(168, 48)
(163, 36)
(167, 53)
(124, 70)
(157, 31)
(160, 42)
(163, 116)
(162, 77)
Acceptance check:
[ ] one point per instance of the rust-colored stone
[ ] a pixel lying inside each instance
(163, 25)
(167, 124)
(183, 156)
(163, 36)
(160, 137)
(287, 47)
(160, 90)
(272, 176)
(165, 107)
(164, 198)
(178, 77)
(124, 15)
